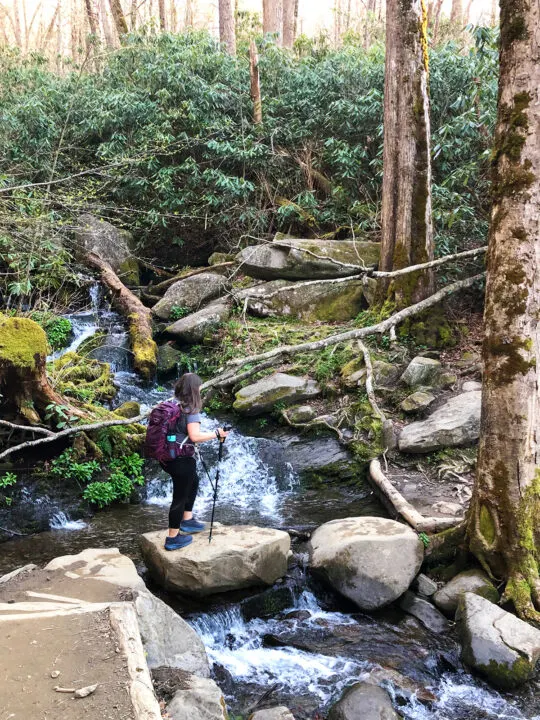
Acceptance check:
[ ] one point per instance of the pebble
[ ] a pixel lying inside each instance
(55, 673)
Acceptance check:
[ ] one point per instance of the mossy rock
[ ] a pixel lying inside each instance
(92, 343)
(83, 378)
(23, 343)
(217, 258)
(168, 361)
(129, 409)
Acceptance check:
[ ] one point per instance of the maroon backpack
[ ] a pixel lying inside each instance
(160, 442)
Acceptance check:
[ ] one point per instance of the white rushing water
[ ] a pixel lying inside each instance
(61, 521)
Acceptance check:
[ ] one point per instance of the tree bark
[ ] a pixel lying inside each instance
(273, 19)
(505, 507)
(289, 23)
(118, 18)
(255, 88)
(494, 4)
(188, 15)
(162, 16)
(407, 232)
(106, 25)
(456, 14)
(227, 31)
(138, 316)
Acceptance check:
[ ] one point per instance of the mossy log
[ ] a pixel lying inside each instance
(24, 386)
(138, 316)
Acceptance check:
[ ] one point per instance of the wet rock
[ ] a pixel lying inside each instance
(301, 414)
(194, 328)
(419, 400)
(168, 640)
(217, 258)
(424, 585)
(471, 386)
(455, 424)
(197, 699)
(267, 604)
(297, 615)
(471, 581)
(363, 701)
(370, 560)
(19, 571)
(422, 371)
(425, 612)
(168, 361)
(297, 260)
(238, 557)
(105, 564)
(314, 302)
(496, 643)
(191, 293)
(129, 409)
(94, 235)
(262, 396)
(443, 507)
(275, 713)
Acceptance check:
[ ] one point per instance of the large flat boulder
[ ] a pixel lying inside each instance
(455, 424)
(193, 328)
(307, 259)
(275, 713)
(318, 301)
(496, 643)
(190, 294)
(197, 699)
(94, 235)
(363, 701)
(239, 556)
(102, 564)
(370, 560)
(474, 581)
(262, 396)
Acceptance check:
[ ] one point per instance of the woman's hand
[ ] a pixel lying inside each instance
(222, 434)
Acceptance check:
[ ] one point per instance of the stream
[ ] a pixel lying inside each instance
(313, 645)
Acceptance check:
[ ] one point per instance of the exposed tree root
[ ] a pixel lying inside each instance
(446, 545)
(524, 593)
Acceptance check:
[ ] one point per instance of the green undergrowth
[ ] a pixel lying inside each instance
(58, 329)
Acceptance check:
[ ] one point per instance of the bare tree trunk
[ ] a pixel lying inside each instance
(49, 31)
(16, 24)
(494, 5)
(468, 12)
(289, 22)
(162, 16)
(106, 25)
(174, 17)
(93, 21)
(59, 45)
(273, 19)
(437, 21)
(456, 14)
(227, 33)
(505, 507)
(118, 18)
(255, 89)
(188, 16)
(337, 21)
(296, 6)
(407, 232)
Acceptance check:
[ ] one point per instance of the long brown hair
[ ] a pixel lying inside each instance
(187, 392)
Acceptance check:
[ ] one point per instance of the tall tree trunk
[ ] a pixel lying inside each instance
(456, 14)
(59, 44)
(227, 33)
(273, 18)
(162, 16)
(255, 88)
(188, 15)
(407, 232)
(93, 21)
(118, 18)
(468, 12)
(296, 6)
(494, 4)
(503, 521)
(289, 22)
(437, 20)
(106, 25)
(16, 24)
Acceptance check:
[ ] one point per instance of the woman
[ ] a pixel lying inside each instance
(183, 470)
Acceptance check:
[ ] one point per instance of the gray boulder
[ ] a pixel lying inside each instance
(301, 414)
(424, 585)
(471, 386)
(471, 581)
(238, 557)
(419, 400)
(168, 640)
(496, 643)
(327, 302)
(195, 327)
(276, 713)
(262, 396)
(93, 235)
(425, 612)
(370, 560)
(191, 293)
(364, 701)
(197, 699)
(307, 259)
(455, 424)
(421, 371)
(168, 360)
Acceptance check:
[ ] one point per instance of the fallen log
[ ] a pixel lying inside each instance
(402, 507)
(138, 316)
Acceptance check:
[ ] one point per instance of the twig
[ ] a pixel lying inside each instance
(12, 532)
(27, 428)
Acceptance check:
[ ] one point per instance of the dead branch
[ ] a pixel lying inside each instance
(430, 264)
(409, 513)
(316, 422)
(138, 316)
(370, 389)
(27, 428)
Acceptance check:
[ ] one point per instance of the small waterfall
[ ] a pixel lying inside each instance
(61, 521)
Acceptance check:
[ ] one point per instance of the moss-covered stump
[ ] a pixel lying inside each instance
(24, 387)
(85, 379)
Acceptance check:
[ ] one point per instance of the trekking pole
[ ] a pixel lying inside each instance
(216, 482)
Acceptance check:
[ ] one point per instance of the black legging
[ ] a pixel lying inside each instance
(183, 472)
